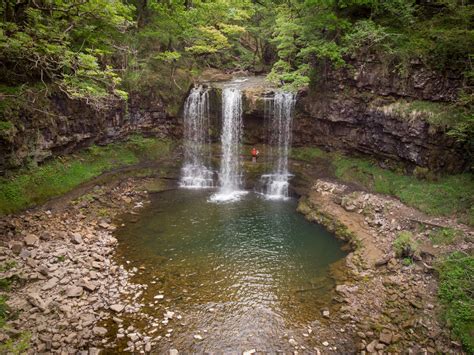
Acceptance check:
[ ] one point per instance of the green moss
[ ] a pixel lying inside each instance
(16, 345)
(437, 114)
(36, 185)
(444, 236)
(5, 126)
(7, 265)
(456, 293)
(3, 310)
(306, 153)
(448, 195)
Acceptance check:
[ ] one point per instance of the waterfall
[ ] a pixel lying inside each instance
(229, 174)
(280, 119)
(195, 172)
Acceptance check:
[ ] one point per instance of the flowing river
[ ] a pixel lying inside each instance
(236, 275)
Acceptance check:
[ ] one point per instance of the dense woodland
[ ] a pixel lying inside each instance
(100, 50)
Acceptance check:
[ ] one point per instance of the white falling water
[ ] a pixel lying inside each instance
(280, 120)
(195, 172)
(229, 175)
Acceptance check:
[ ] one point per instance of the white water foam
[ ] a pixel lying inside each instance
(230, 179)
(195, 173)
(280, 117)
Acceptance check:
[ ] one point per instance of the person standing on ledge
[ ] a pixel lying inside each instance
(255, 154)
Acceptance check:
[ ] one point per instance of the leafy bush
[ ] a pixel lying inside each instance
(404, 246)
(456, 293)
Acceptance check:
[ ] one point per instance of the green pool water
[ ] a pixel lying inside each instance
(242, 275)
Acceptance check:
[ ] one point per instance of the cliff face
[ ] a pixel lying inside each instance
(351, 111)
(72, 124)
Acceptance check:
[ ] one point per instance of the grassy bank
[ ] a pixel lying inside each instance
(33, 186)
(443, 195)
(456, 293)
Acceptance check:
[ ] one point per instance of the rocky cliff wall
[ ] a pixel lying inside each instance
(350, 111)
(66, 125)
(347, 111)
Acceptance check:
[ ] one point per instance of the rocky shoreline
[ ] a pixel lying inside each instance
(66, 282)
(72, 296)
(390, 306)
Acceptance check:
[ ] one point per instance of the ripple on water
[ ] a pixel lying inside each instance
(246, 272)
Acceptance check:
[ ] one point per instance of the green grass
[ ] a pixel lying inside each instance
(16, 345)
(437, 114)
(435, 195)
(306, 153)
(444, 236)
(456, 293)
(37, 185)
(3, 310)
(448, 195)
(7, 265)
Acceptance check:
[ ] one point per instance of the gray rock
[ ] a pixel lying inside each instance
(325, 313)
(371, 346)
(350, 207)
(31, 263)
(74, 291)
(89, 285)
(173, 352)
(16, 247)
(52, 282)
(31, 240)
(385, 337)
(43, 270)
(292, 342)
(117, 307)
(25, 253)
(35, 300)
(76, 238)
(133, 337)
(99, 331)
(45, 236)
(97, 265)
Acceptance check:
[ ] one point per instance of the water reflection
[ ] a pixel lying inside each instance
(240, 274)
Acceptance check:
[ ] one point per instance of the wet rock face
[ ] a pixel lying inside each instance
(346, 113)
(416, 81)
(350, 124)
(73, 125)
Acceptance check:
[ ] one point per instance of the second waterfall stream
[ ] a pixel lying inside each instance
(280, 117)
(230, 176)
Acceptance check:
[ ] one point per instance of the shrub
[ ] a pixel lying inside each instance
(404, 246)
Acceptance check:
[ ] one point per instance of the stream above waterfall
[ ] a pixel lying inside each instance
(238, 275)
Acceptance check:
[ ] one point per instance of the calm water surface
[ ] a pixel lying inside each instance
(241, 275)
